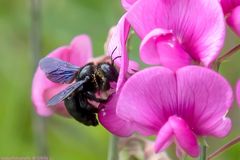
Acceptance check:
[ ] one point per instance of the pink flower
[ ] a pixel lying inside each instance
(238, 92)
(177, 106)
(176, 33)
(231, 9)
(79, 52)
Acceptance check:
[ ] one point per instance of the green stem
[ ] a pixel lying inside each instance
(224, 148)
(204, 146)
(38, 124)
(203, 155)
(129, 47)
(113, 148)
(229, 53)
(225, 56)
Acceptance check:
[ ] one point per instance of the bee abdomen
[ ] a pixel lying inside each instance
(78, 113)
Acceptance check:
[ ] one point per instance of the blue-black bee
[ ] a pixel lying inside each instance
(89, 80)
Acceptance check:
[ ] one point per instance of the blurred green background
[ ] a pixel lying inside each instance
(60, 22)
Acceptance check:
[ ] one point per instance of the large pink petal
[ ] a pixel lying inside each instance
(148, 98)
(160, 46)
(233, 20)
(119, 40)
(109, 119)
(81, 50)
(207, 96)
(43, 89)
(201, 36)
(238, 92)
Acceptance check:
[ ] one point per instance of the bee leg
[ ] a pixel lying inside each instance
(83, 103)
(105, 85)
(81, 115)
(91, 96)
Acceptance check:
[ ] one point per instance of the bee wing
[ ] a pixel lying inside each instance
(66, 92)
(58, 71)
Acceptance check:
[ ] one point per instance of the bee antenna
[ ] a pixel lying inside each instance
(115, 59)
(134, 70)
(113, 51)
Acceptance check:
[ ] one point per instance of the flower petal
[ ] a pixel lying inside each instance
(81, 50)
(164, 137)
(233, 20)
(127, 3)
(160, 46)
(185, 137)
(202, 38)
(147, 99)
(109, 119)
(220, 128)
(177, 128)
(238, 92)
(133, 67)
(206, 95)
(119, 40)
(148, 48)
(41, 85)
(38, 88)
(78, 53)
(228, 5)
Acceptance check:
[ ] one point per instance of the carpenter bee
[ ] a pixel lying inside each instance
(88, 80)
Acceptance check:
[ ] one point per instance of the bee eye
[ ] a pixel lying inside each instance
(106, 68)
(109, 71)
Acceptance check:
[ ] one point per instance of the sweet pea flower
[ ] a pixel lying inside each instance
(238, 92)
(177, 106)
(231, 9)
(79, 53)
(176, 33)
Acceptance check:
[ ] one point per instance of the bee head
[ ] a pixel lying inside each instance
(109, 71)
